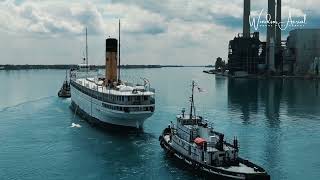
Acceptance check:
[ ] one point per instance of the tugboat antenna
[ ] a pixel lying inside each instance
(192, 102)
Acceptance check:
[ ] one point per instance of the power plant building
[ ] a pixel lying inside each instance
(298, 55)
(247, 54)
(302, 54)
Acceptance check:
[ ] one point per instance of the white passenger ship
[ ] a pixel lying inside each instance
(108, 100)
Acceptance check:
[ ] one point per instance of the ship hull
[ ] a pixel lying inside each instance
(92, 110)
(210, 171)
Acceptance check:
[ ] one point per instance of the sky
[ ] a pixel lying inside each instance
(181, 32)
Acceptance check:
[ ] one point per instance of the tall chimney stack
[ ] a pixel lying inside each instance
(246, 14)
(111, 60)
(278, 30)
(270, 29)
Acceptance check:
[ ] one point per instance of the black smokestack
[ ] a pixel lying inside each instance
(278, 30)
(270, 28)
(246, 14)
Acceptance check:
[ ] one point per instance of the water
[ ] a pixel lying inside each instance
(277, 123)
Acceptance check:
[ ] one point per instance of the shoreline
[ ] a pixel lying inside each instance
(305, 77)
(69, 66)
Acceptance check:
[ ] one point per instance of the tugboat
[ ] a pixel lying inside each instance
(193, 142)
(64, 92)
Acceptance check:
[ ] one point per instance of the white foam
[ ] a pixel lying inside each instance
(75, 125)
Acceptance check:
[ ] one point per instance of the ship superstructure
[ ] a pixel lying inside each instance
(108, 100)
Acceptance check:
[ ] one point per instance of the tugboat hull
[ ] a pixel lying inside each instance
(64, 94)
(211, 170)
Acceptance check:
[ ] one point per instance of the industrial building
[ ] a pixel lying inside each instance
(298, 55)
(250, 55)
(246, 54)
(302, 52)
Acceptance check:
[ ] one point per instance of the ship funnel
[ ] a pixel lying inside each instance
(111, 60)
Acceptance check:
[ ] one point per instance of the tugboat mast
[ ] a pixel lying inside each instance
(192, 102)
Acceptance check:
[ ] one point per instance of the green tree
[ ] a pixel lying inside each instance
(220, 64)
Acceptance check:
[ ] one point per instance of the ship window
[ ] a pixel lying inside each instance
(129, 98)
(122, 98)
(145, 98)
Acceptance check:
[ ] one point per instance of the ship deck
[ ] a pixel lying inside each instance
(122, 90)
(241, 168)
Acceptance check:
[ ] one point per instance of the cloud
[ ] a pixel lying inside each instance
(48, 18)
(158, 32)
(136, 19)
(71, 18)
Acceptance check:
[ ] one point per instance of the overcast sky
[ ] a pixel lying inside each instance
(186, 32)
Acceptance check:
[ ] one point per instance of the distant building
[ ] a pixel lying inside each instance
(302, 53)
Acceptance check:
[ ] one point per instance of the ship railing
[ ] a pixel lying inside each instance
(211, 144)
(147, 88)
(174, 130)
(137, 102)
(152, 101)
(205, 123)
(152, 90)
(83, 74)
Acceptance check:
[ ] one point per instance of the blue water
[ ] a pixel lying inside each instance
(277, 123)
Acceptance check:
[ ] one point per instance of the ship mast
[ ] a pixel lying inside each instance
(87, 60)
(119, 54)
(192, 101)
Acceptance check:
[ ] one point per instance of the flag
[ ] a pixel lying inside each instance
(201, 90)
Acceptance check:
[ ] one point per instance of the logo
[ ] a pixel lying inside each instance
(257, 22)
